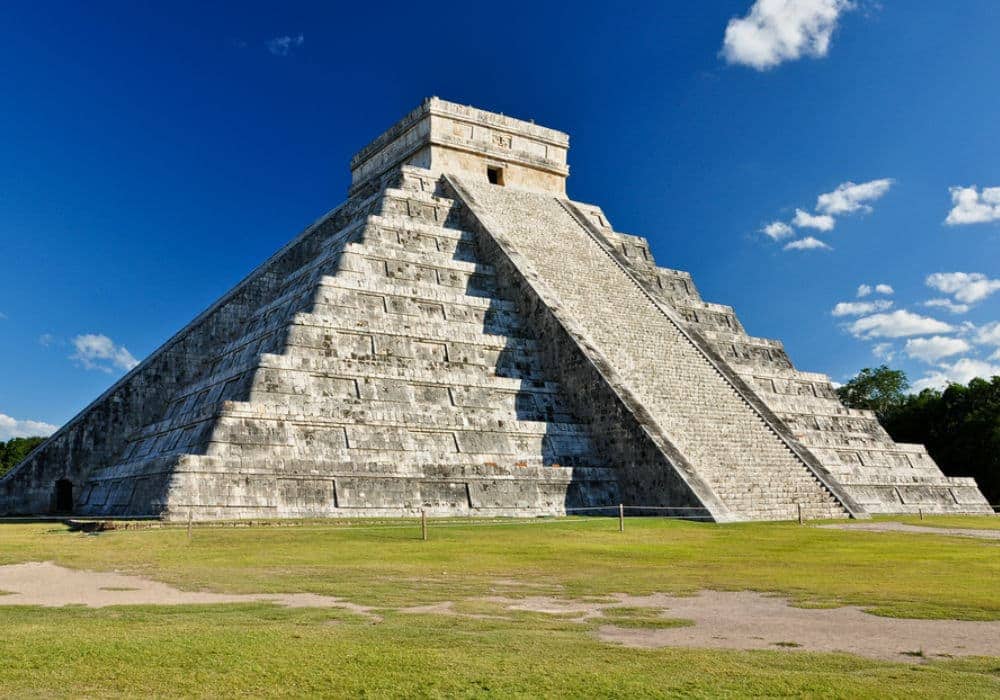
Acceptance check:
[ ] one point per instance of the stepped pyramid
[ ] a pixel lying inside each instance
(460, 337)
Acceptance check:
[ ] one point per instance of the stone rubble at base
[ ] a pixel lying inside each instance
(439, 342)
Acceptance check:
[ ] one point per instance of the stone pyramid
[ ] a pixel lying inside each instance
(460, 337)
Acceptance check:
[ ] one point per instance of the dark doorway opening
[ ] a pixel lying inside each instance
(494, 175)
(64, 496)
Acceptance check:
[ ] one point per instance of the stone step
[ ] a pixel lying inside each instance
(814, 406)
(456, 404)
(383, 239)
(415, 289)
(351, 463)
(457, 373)
(398, 415)
(403, 309)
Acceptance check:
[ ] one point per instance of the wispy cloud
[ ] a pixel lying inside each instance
(46, 339)
(898, 324)
(966, 287)
(884, 351)
(850, 197)
(972, 206)
(807, 243)
(12, 428)
(881, 288)
(936, 347)
(947, 305)
(989, 334)
(96, 351)
(775, 31)
(776, 230)
(859, 308)
(821, 222)
(961, 371)
(283, 45)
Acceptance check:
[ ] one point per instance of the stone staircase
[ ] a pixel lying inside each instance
(731, 447)
(879, 474)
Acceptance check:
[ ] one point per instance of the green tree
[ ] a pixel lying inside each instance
(16, 449)
(881, 389)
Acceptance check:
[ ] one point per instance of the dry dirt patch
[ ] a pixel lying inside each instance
(724, 620)
(749, 620)
(916, 529)
(49, 585)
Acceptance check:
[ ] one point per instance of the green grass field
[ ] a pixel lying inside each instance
(262, 649)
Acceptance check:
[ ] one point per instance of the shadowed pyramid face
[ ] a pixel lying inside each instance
(461, 338)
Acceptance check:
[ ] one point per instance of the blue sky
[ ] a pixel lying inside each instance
(150, 157)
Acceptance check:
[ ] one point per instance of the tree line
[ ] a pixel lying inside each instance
(960, 426)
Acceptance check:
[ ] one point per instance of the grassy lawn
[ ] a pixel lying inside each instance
(262, 649)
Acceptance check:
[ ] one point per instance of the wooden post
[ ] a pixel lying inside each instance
(800, 512)
(189, 524)
(921, 512)
(423, 524)
(621, 517)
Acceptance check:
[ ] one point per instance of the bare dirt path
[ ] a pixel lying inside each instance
(749, 620)
(917, 529)
(49, 585)
(723, 620)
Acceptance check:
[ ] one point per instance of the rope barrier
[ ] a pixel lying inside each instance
(422, 524)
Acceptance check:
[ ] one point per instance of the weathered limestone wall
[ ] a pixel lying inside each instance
(381, 373)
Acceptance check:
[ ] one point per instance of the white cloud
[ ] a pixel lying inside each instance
(807, 243)
(967, 287)
(804, 219)
(859, 308)
(883, 351)
(12, 428)
(866, 289)
(95, 351)
(973, 207)
(989, 334)
(774, 31)
(898, 324)
(947, 304)
(934, 348)
(283, 45)
(850, 197)
(961, 371)
(46, 339)
(777, 230)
